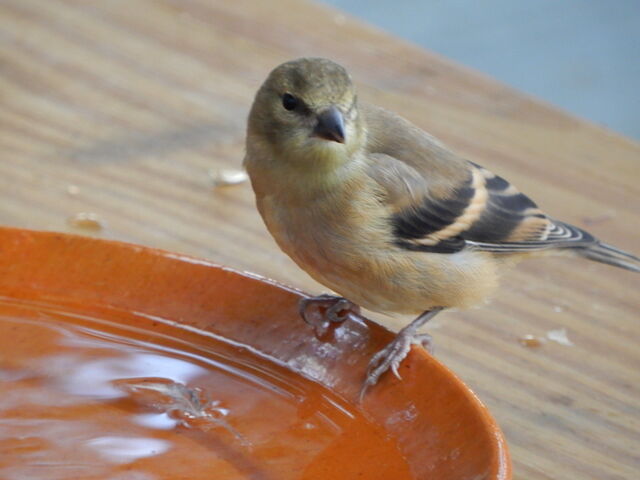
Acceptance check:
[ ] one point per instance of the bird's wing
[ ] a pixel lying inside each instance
(442, 203)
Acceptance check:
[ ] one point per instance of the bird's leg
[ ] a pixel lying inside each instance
(392, 355)
(321, 311)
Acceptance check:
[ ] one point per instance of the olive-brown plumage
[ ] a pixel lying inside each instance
(380, 211)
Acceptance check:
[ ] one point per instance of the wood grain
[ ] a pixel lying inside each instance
(133, 102)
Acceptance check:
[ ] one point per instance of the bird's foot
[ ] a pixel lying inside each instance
(321, 311)
(390, 357)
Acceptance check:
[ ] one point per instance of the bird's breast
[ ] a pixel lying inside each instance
(339, 245)
(315, 233)
(345, 243)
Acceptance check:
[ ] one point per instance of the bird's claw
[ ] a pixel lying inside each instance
(425, 341)
(328, 309)
(340, 310)
(391, 356)
(365, 386)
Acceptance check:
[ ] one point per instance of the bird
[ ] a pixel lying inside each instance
(383, 213)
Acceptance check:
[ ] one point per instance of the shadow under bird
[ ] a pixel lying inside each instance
(384, 214)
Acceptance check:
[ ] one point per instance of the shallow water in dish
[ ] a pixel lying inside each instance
(129, 397)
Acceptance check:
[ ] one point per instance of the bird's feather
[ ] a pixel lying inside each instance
(433, 210)
(603, 253)
(440, 202)
(477, 210)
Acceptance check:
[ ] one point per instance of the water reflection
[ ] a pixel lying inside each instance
(94, 377)
(127, 449)
(158, 421)
(191, 407)
(93, 399)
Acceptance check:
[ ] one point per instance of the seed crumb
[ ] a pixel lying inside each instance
(530, 341)
(86, 221)
(227, 177)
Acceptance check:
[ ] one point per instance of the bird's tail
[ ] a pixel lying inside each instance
(601, 252)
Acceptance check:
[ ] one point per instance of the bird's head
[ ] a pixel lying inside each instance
(307, 110)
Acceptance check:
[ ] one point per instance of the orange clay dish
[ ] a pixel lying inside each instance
(125, 362)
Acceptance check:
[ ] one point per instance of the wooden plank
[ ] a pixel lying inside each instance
(133, 102)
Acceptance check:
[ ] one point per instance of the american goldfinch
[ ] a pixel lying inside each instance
(383, 213)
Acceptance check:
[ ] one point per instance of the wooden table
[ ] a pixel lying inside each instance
(120, 109)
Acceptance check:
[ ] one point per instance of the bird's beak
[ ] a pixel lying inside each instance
(330, 125)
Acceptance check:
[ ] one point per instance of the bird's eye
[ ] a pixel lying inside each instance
(289, 102)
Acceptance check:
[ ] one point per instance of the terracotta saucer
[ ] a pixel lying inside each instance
(439, 427)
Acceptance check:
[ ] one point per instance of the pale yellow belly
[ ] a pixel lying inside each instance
(361, 265)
